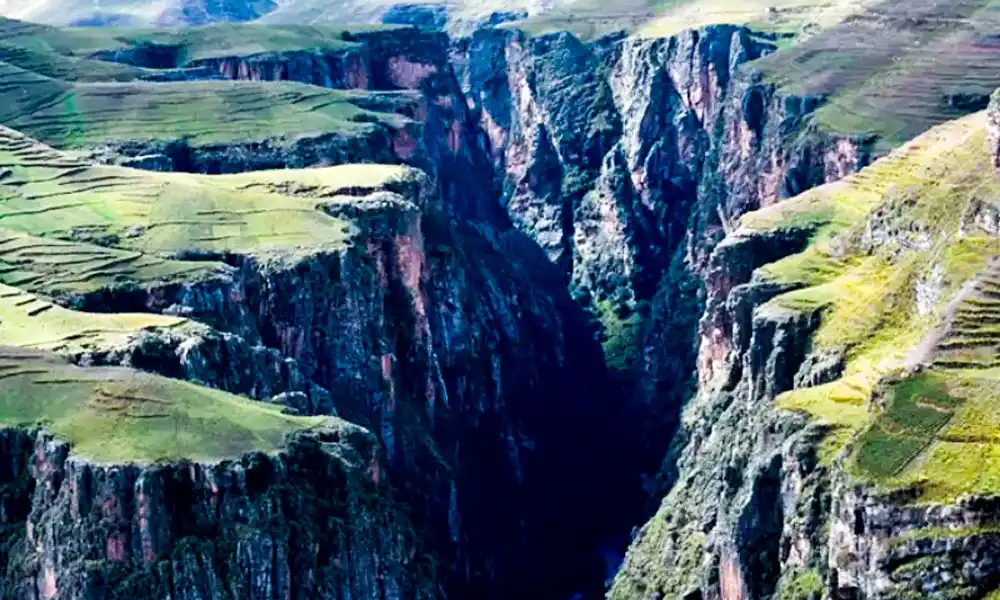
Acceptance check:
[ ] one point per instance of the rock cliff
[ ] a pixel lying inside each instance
(628, 159)
(313, 521)
(450, 340)
(798, 471)
(653, 193)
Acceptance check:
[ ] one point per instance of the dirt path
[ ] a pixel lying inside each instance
(921, 354)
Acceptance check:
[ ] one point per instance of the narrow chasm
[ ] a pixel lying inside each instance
(522, 329)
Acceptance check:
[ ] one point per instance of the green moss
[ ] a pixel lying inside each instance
(805, 584)
(621, 338)
(642, 573)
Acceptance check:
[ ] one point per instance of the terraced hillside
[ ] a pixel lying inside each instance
(49, 194)
(126, 456)
(878, 325)
(232, 98)
(84, 115)
(893, 70)
(316, 290)
(174, 48)
(114, 415)
(895, 246)
(128, 12)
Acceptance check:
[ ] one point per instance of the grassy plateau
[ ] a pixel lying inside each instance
(114, 415)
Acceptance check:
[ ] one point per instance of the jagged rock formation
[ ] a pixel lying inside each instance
(312, 521)
(628, 159)
(799, 473)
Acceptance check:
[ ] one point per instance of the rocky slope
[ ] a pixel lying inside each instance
(838, 387)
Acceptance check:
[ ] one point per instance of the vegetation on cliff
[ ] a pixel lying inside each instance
(49, 194)
(892, 248)
(84, 115)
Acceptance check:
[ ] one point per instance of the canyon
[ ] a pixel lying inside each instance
(464, 308)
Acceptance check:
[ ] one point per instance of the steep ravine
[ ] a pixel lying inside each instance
(447, 330)
(625, 159)
(628, 160)
(763, 503)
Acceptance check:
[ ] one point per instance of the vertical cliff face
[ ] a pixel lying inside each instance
(457, 344)
(740, 465)
(316, 520)
(628, 160)
(764, 502)
(635, 137)
(404, 70)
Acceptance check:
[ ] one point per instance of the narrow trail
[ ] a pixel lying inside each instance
(923, 354)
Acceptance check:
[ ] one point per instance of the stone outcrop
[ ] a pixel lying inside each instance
(315, 521)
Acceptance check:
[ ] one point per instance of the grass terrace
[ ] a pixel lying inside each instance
(114, 415)
(83, 115)
(55, 267)
(892, 70)
(176, 48)
(905, 281)
(67, 68)
(778, 16)
(30, 321)
(113, 223)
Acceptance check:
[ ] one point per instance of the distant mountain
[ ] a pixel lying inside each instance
(91, 13)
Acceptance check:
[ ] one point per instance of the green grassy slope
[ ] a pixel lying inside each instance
(31, 321)
(67, 68)
(165, 12)
(182, 46)
(69, 227)
(895, 69)
(116, 415)
(895, 248)
(777, 16)
(46, 193)
(82, 115)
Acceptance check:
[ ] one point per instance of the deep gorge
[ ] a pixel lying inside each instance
(549, 337)
(607, 170)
